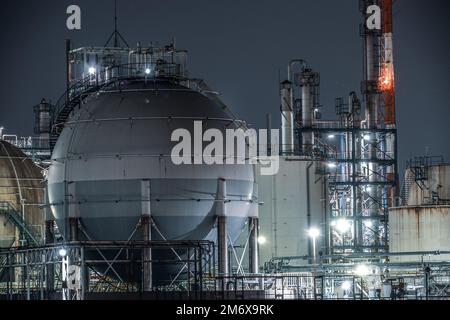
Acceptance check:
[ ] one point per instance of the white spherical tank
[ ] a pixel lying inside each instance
(122, 137)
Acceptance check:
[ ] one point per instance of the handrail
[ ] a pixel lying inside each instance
(7, 208)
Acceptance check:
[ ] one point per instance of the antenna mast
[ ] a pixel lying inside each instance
(116, 34)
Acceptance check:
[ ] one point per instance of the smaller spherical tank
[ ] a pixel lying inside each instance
(21, 194)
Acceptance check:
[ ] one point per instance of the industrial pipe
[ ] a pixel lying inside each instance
(287, 119)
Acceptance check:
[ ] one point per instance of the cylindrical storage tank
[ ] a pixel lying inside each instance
(21, 194)
(433, 189)
(119, 139)
(419, 229)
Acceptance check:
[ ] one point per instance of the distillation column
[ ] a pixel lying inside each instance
(309, 82)
(370, 89)
(388, 87)
(287, 119)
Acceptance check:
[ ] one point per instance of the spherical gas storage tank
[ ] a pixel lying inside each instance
(121, 139)
(21, 195)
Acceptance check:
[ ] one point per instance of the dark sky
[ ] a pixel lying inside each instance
(238, 47)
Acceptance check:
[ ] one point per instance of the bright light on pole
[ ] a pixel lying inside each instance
(367, 137)
(92, 70)
(262, 240)
(314, 233)
(147, 71)
(62, 252)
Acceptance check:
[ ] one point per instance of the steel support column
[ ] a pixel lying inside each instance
(146, 226)
(253, 225)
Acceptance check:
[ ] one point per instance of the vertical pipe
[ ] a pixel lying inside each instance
(222, 245)
(222, 240)
(308, 203)
(269, 135)
(84, 276)
(253, 225)
(146, 235)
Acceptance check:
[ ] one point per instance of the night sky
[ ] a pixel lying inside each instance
(238, 47)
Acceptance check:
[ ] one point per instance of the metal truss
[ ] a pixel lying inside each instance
(80, 270)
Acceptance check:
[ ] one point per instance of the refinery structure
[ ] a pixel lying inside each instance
(93, 206)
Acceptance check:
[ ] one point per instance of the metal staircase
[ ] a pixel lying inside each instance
(13, 216)
(77, 93)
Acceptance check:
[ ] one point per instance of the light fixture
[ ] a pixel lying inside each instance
(62, 252)
(147, 71)
(331, 136)
(367, 137)
(313, 232)
(346, 285)
(343, 226)
(332, 165)
(362, 270)
(92, 70)
(368, 189)
(262, 240)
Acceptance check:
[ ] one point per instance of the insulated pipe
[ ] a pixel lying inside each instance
(253, 225)
(222, 239)
(287, 119)
(146, 226)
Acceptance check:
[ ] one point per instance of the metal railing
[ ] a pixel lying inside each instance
(26, 231)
